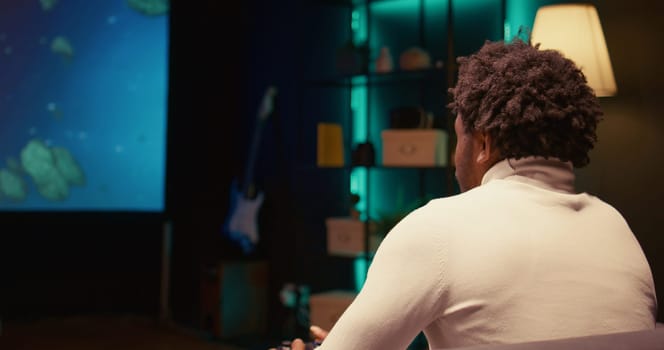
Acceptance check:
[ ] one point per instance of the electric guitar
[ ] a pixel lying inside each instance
(241, 224)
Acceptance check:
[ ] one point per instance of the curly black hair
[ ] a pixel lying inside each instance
(532, 102)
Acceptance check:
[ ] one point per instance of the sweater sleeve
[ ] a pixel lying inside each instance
(402, 293)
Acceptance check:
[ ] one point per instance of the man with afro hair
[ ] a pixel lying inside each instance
(519, 255)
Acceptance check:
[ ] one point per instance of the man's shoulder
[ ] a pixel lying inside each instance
(446, 207)
(470, 196)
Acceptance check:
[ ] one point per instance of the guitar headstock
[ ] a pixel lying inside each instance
(267, 104)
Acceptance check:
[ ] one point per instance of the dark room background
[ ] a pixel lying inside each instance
(222, 58)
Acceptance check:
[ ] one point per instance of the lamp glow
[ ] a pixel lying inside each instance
(575, 31)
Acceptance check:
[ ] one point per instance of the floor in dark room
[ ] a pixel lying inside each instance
(108, 332)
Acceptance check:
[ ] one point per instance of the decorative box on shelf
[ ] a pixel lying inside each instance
(325, 308)
(414, 147)
(345, 236)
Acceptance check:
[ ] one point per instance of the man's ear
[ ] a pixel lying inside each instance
(485, 146)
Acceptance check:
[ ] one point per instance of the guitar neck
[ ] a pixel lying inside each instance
(264, 111)
(248, 188)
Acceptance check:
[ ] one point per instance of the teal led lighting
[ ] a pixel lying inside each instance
(361, 267)
(358, 24)
(358, 106)
(521, 14)
(394, 7)
(360, 121)
(358, 185)
(409, 7)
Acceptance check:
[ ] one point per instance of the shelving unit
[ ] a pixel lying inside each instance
(361, 102)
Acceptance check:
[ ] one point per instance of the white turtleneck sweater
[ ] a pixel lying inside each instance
(519, 258)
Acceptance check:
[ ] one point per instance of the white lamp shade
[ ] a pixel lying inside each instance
(575, 31)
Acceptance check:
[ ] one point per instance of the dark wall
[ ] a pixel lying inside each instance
(223, 60)
(626, 167)
(208, 134)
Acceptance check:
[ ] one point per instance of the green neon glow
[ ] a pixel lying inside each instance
(358, 185)
(521, 14)
(411, 7)
(401, 8)
(361, 268)
(354, 23)
(395, 7)
(518, 13)
(358, 24)
(358, 106)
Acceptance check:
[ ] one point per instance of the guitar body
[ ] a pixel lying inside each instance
(241, 224)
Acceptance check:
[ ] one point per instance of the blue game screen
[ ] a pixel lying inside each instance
(83, 105)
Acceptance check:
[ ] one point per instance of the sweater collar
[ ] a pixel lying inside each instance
(550, 173)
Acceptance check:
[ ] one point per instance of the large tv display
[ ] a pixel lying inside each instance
(83, 105)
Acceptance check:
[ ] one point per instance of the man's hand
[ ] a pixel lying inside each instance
(317, 333)
(298, 344)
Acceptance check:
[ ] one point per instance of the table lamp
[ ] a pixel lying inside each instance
(575, 31)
